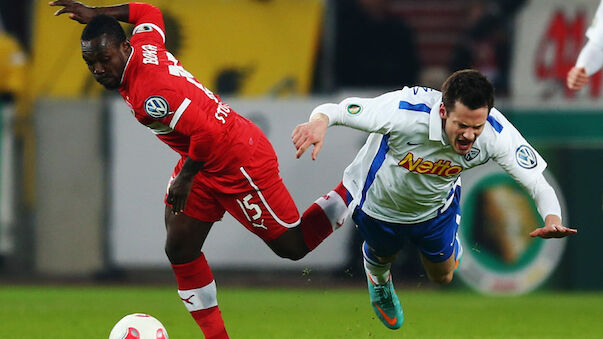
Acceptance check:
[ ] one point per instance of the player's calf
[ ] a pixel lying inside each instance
(442, 272)
(325, 215)
(197, 290)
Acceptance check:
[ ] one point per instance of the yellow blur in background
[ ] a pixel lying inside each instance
(12, 65)
(238, 47)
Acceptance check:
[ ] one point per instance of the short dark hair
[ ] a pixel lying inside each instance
(104, 24)
(470, 87)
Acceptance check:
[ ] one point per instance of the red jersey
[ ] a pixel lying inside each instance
(182, 112)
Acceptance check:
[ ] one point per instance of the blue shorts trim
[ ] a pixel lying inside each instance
(435, 238)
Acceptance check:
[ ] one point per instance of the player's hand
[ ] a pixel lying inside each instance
(553, 231)
(77, 10)
(178, 193)
(310, 133)
(576, 78)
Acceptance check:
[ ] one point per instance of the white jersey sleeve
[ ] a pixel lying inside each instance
(518, 158)
(591, 55)
(545, 197)
(372, 115)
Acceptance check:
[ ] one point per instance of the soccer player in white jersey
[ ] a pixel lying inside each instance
(404, 182)
(590, 58)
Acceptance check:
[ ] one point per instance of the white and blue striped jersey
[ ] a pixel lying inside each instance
(407, 171)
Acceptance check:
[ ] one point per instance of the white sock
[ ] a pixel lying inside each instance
(379, 272)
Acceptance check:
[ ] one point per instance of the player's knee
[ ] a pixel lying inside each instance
(293, 254)
(178, 254)
(173, 252)
(442, 279)
(290, 245)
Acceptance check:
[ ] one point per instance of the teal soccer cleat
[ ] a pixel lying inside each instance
(385, 303)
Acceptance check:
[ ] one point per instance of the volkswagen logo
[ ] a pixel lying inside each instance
(526, 157)
(156, 107)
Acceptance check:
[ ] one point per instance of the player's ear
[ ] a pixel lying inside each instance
(125, 45)
(443, 113)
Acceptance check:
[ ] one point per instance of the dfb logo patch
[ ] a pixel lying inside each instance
(156, 107)
(142, 28)
(354, 109)
(526, 157)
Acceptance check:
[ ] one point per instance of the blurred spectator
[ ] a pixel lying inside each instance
(15, 17)
(433, 77)
(372, 48)
(486, 44)
(12, 66)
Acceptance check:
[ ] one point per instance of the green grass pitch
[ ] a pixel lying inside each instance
(90, 312)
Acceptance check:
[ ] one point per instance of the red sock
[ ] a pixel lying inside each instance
(197, 290)
(326, 214)
(343, 193)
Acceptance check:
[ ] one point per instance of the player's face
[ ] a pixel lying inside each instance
(463, 125)
(106, 60)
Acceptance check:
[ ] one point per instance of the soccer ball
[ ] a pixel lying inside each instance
(138, 326)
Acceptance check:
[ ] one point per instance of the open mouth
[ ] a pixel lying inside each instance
(464, 145)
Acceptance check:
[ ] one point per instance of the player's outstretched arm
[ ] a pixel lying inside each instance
(553, 228)
(576, 78)
(310, 133)
(83, 14)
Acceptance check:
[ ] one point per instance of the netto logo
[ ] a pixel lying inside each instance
(354, 109)
(440, 167)
(526, 157)
(156, 107)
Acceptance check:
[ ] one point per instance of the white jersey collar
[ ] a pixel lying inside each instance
(436, 132)
(126, 67)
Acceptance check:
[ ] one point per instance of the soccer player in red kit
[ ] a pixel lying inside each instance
(227, 163)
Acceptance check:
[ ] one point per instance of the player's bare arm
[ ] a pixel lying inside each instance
(310, 133)
(180, 188)
(553, 228)
(576, 78)
(83, 14)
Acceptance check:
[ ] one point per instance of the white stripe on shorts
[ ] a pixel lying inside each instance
(257, 189)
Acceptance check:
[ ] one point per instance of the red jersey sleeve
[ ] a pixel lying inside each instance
(148, 22)
(173, 109)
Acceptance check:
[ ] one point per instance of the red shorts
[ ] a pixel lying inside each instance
(254, 194)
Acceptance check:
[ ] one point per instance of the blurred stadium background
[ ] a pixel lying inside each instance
(82, 183)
